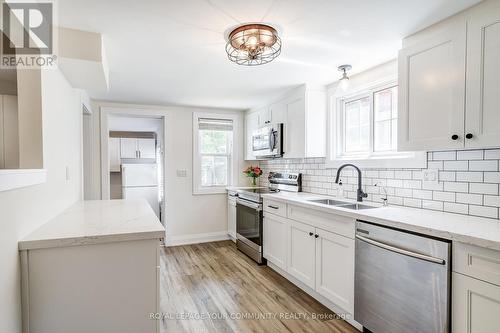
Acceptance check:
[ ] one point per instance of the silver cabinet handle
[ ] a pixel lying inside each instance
(401, 251)
(273, 207)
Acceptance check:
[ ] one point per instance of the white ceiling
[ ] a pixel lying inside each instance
(172, 51)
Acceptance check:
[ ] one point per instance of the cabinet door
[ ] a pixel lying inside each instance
(146, 148)
(251, 124)
(432, 92)
(275, 235)
(231, 218)
(301, 252)
(264, 117)
(482, 118)
(335, 269)
(128, 148)
(475, 305)
(10, 132)
(294, 130)
(277, 112)
(114, 155)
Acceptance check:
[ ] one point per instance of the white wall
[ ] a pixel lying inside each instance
(188, 216)
(23, 210)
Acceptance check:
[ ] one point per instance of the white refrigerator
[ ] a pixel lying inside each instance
(141, 181)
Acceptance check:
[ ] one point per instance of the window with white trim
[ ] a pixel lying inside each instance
(213, 153)
(364, 130)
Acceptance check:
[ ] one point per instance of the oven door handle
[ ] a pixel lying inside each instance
(401, 251)
(249, 204)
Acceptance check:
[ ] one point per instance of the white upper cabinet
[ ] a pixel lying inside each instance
(303, 114)
(146, 148)
(482, 126)
(137, 148)
(251, 124)
(449, 83)
(128, 148)
(432, 90)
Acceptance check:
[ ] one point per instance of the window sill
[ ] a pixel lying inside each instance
(417, 160)
(18, 178)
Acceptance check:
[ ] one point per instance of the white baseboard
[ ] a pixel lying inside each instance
(196, 238)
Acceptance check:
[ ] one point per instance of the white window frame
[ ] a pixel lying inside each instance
(335, 156)
(233, 163)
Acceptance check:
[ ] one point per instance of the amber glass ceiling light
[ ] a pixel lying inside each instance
(253, 44)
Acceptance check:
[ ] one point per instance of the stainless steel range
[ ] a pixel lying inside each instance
(249, 212)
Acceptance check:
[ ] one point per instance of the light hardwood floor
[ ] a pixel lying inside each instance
(216, 280)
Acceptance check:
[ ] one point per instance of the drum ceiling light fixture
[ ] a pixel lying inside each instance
(253, 44)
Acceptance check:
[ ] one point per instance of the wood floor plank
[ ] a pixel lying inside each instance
(212, 287)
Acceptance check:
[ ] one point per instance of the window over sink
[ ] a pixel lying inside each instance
(363, 129)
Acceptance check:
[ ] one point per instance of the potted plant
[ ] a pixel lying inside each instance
(254, 172)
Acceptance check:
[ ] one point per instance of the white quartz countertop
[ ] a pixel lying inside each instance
(97, 221)
(463, 228)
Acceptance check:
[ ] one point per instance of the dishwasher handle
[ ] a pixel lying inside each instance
(401, 251)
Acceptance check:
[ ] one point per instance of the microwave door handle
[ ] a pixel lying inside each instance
(272, 139)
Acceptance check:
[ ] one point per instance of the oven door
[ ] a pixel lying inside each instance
(249, 223)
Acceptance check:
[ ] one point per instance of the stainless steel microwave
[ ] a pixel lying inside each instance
(267, 141)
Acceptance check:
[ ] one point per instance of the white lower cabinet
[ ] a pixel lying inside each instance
(476, 305)
(335, 268)
(275, 239)
(301, 252)
(319, 253)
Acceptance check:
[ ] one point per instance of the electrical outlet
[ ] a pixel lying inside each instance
(430, 175)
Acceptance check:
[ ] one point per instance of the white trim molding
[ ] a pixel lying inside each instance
(17, 178)
(196, 238)
(233, 165)
(389, 159)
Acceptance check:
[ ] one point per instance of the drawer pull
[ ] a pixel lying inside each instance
(273, 207)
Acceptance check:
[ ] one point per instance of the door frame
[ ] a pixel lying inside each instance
(107, 111)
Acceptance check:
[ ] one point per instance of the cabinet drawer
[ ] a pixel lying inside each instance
(275, 207)
(477, 262)
(330, 222)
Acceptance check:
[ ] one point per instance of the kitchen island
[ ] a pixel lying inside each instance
(98, 264)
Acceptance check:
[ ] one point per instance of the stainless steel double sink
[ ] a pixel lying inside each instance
(342, 204)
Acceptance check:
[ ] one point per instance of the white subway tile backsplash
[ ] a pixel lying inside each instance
(444, 155)
(432, 205)
(467, 198)
(492, 177)
(483, 188)
(444, 196)
(409, 202)
(422, 194)
(456, 208)
(467, 176)
(468, 181)
(470, 155)
(483, 165)
(456, 187)
(492, 200)
(492, 154)
(456, 165)
(483, 211)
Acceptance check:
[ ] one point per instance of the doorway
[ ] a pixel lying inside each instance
(135, 159)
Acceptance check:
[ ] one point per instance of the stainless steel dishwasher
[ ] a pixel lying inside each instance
(402, 281)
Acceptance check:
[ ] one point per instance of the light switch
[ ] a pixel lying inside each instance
(430, 175)
(181, 173)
